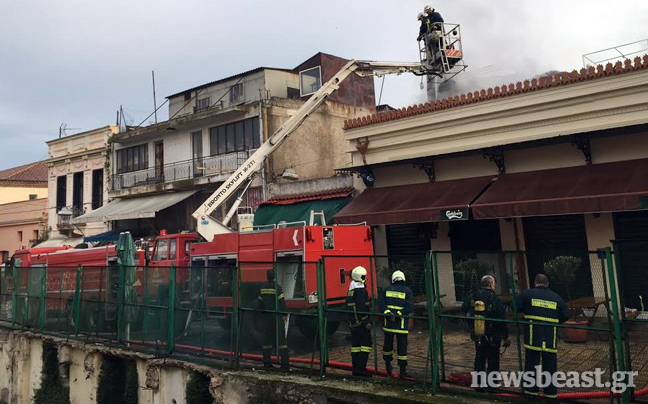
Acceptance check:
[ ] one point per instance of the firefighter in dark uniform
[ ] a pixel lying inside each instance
(543, 309)
(359, 306)
(433, 29)
(396, 303)
(488, 335)
(271, 298)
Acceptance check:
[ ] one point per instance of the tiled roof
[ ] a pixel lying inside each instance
(535, 84)
(34, 172)
(314, 196)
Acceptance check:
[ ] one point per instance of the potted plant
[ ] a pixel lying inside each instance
(562, 272)
(471, 271)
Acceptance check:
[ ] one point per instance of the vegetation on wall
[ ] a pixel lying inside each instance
(197, 389)
(51, 390)
(117, 382)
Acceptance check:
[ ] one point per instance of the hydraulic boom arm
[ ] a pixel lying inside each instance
(208, 227)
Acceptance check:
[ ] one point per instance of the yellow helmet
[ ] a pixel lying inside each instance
(359, 274)
(398, 276)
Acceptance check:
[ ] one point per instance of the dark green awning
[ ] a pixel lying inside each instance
(299, 211)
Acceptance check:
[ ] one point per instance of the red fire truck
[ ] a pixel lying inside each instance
(208, 267)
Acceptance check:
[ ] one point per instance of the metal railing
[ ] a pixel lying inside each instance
(217, 314)
(219, 165)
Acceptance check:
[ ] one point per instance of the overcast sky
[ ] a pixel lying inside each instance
(76, 61)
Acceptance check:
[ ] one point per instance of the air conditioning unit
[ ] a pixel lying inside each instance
(245, 222)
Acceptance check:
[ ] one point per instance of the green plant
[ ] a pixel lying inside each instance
(562, 272)
(132, 383)
(112, 381)
(51, 390)
(470, 272)
(197, 389)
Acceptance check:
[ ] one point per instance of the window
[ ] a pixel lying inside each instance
(234, 137)
(172, 249)
(161, 250)
(310, 80)
(187, 95)
(61, 192)
(32, 196)
(34, 235)
(77, 193)
(4, 256)
(202, 104)
(132, 159)
(236, 93)
(20, 236)
(97, 188)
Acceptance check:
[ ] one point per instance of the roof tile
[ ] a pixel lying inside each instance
(313, 196)
(505, 90)
(34, 172)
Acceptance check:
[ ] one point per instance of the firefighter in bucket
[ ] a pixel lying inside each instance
(484, 304)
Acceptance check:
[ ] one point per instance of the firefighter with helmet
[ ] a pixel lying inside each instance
(396, 303)
(359, 307)
(432, 26)
(487, 334)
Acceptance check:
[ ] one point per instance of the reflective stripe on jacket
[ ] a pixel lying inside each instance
(397, 301)
(543, 308)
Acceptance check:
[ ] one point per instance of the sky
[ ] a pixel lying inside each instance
(74, 62)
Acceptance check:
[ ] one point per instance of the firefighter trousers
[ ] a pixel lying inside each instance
(360, 348)
(549, 364)
(487, 350)
(401, 348)
(271, 330)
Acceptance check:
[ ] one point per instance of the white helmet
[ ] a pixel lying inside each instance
(428, 9)
(398, 276)
(420, 16)
(359, 274)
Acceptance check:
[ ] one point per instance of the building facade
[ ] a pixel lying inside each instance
(551, 164)
(23, 212)
(78, 181)
(167, 170)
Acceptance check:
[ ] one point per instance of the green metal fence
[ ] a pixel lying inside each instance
(218, 312)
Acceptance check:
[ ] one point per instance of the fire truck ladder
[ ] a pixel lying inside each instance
(447, 61)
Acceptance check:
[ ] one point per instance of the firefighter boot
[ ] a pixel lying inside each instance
(389, 368)
(267, 361)
(285, 364)
(403, 372)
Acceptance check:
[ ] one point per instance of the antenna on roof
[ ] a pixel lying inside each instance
(63, 128)
(615, 53)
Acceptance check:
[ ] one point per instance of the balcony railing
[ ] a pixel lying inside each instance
(221, 165)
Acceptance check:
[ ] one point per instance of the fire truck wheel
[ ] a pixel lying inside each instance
(308, 326)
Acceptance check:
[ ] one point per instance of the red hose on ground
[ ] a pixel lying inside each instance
(257, 357)
(348, 366)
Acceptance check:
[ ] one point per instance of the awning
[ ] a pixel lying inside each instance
(608, 187)
(296, 208)
(442, 200)
(133, 208)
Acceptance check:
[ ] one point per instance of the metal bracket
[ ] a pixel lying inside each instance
(582, 143)
(497, 157)
(428, 167)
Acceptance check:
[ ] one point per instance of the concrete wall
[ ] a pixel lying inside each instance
(316, 149)
(252, 83)
(20, 367)
(16, 194)
(27, 217)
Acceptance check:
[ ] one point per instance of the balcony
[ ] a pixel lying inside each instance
(65, 216)
(205, 167)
